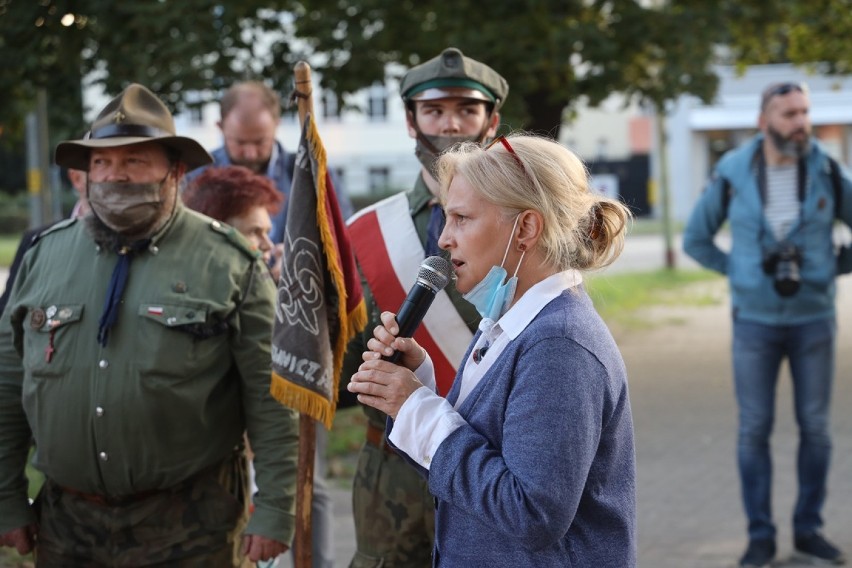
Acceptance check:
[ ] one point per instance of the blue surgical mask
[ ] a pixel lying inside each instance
(491, 297)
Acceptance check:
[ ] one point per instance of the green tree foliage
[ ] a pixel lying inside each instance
(813, 33)
(34, 59)
(553, 52)
(175, 48)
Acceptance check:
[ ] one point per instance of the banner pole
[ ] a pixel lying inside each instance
(302, 544)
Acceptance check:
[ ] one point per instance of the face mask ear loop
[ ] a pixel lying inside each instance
(509, 244)
(523, 252)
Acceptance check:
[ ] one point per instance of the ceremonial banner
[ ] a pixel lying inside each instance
(320, 304)
(391, 271)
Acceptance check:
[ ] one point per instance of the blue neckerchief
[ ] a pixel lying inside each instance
(117, 282)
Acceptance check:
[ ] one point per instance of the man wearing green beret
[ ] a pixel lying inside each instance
(134, 354)
(449, 99)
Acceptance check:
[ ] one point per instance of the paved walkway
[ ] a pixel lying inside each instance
(685, 421)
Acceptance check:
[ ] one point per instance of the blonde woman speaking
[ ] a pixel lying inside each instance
(530, 457)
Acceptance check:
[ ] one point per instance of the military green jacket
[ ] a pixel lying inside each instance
(186, 370)
(419, 201)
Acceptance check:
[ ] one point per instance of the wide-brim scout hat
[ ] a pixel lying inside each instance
(452, 74)
(135, 116)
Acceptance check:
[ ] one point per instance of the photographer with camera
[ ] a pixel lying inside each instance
(781, 194)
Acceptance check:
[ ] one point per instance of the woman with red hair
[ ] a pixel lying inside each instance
(241, 198)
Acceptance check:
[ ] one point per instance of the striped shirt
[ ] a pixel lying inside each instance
(782, 207)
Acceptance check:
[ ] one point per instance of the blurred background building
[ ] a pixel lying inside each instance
(371, 152)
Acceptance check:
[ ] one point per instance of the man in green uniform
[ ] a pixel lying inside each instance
(134, 353)
(448, 99)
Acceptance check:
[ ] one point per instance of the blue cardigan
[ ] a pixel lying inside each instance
(543, 473)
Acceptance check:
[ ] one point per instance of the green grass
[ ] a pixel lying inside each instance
(36, 479)
(11, 559)
(620, 298)
(650, 226)
(344, 441)
(8, 246)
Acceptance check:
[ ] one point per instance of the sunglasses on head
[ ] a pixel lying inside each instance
(782, 89)
(502, 140)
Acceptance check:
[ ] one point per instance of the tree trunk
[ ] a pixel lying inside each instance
(545, 116)
(665, 199)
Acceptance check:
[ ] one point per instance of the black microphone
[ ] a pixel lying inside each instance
(434, 274)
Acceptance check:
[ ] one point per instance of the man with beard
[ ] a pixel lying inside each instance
(448, 99)
(781, 194)
(134, 353)
(250, 113)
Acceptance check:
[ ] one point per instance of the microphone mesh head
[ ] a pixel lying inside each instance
(435, 272)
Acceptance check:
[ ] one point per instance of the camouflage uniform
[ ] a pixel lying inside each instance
(393, 509)
(394, 512)
(198, 522)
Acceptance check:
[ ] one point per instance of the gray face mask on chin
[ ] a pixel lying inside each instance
(429, 159)
(129, 209)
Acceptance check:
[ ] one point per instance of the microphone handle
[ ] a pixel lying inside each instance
(411, 313)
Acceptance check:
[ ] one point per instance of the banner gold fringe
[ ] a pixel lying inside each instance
(304, 400)
(350, 323)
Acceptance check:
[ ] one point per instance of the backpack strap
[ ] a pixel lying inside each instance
(837, 184)
(727, 194)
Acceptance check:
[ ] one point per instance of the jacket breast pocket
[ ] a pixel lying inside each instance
(50, 339)
(179, 340)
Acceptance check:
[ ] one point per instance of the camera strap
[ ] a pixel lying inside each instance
(833, 172)
(801, 174)
(763, 186)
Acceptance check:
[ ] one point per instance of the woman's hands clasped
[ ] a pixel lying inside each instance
(381, 384)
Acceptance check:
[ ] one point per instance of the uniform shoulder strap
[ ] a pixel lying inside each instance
(58, 226)
(234, 238)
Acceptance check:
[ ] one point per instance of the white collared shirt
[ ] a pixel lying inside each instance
(426, 419)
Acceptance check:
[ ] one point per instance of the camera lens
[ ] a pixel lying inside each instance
(787, 278)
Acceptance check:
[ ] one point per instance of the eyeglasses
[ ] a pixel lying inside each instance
(502, 140)
(779, 90)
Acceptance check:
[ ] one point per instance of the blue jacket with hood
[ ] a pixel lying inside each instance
(753, 295)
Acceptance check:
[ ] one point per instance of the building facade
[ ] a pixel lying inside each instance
(699, 134)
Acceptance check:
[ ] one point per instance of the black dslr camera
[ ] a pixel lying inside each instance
(782, 263)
